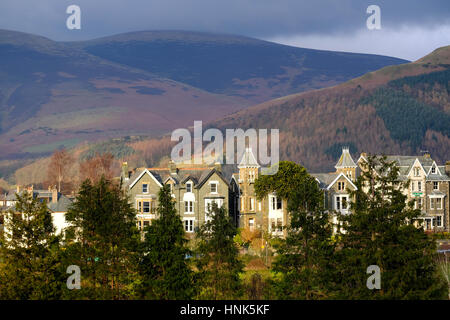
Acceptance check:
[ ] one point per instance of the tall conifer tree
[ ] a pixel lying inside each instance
(218, 258)
(164, 265)
(30, 260)
(380, 232)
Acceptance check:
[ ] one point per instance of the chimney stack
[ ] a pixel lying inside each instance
(218, 166)
(54, 195)
(125, 173)
(447, 168)
(173, 167)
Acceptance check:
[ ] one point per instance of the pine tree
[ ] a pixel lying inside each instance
(30, 260)
(304, 258)
(380, 232)
(103, 241)
(218, 258)
(164, 266)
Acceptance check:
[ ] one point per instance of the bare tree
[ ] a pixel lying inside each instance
(60, 163)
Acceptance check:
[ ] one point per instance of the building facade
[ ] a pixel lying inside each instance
(57, 203)
(194, 189)
(429, 187)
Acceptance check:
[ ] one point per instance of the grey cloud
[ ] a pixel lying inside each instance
(257, 18)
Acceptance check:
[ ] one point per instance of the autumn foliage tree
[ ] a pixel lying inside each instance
(96, 167)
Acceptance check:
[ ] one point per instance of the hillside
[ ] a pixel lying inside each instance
(396, 110)
(234, 65)
(56, 94)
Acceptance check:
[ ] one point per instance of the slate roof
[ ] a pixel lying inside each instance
(248, 159)
(405, 164)
(325, 178)
(346, 160)
(62, 205)
(198, 175)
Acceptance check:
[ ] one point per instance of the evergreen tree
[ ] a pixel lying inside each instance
(103, 241)
(304, 258)
(380, 232)
(218, 258)
(164, 266)
(30, 266)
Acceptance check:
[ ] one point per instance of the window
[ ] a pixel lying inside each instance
(419, 186)
(140, 206)
(419, 203)
(251, 224)
(435, 185)
(213, 187)
(209, 203)
(277, 203)
(189, 225)
(279, 224)
(438, 203)
(189, 187)
(341, 203)
(145, 188)
(341, 185)
(146, 206)
(344, 203)
(439, 221)
(189, 206)
(146, 223)
(416, 171)
(433, 170)
(252, 204)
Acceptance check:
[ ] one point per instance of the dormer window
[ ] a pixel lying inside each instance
(189, 187)
(341, 186)
(433, 170)
(144, 188)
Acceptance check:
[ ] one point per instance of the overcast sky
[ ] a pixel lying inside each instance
(409, 28)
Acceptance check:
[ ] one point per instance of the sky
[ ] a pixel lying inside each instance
(410, 29)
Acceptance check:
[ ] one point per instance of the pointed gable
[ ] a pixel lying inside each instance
(346, 160)
(248, 160)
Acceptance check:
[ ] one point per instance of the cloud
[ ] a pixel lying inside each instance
(407, 42)
(254, 18)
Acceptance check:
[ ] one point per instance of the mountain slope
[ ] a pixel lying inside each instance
(396, 110)
(234, 65)
(52, 94)
(146, 83)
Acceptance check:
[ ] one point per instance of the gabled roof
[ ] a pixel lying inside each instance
(338, 177)
(327, 180)
(62, 205)
(414, 164)
(248, 160)
(346, 160)
(145, 171)
(206, 176)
